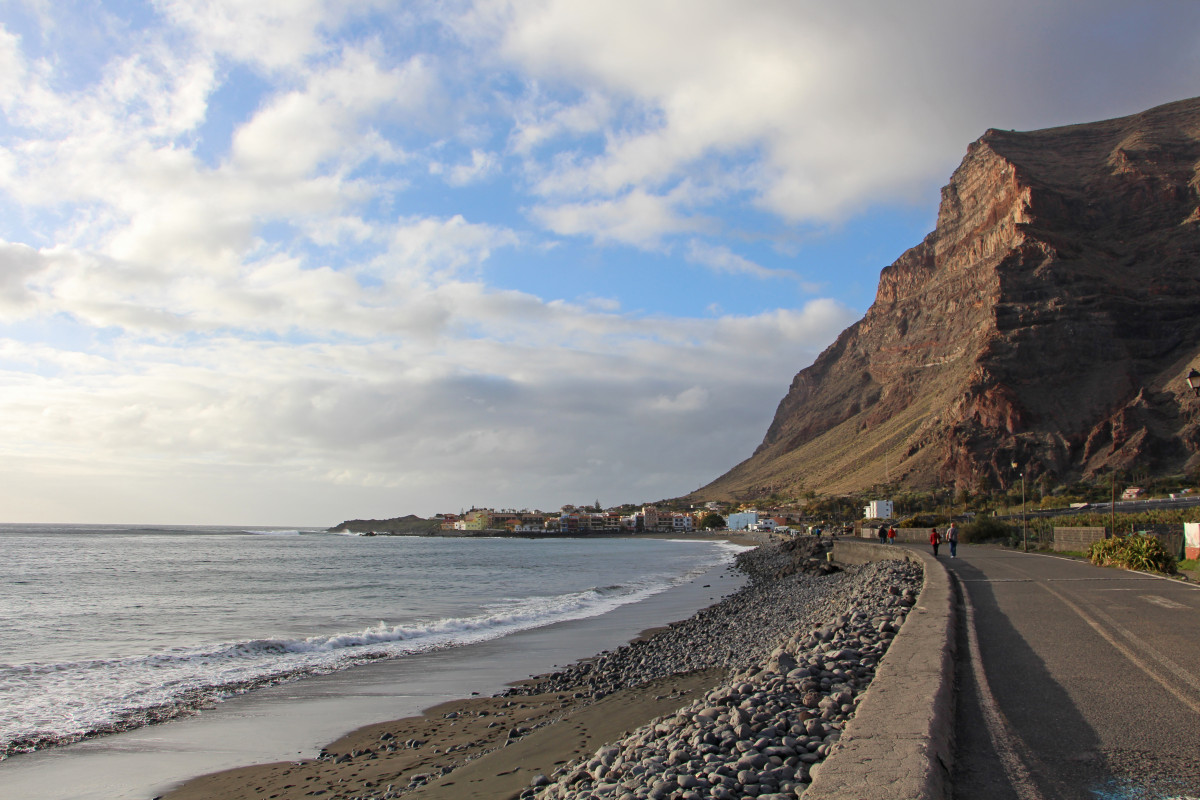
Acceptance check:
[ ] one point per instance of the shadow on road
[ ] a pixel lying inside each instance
(1053, 743)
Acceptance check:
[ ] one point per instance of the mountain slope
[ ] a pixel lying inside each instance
(1049, 319)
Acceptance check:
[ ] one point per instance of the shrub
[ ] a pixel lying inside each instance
(987, 529)
(1144, 553)
(921, 521)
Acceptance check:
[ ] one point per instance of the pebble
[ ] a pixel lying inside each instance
(787, 697)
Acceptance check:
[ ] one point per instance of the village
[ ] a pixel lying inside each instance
(574, 520)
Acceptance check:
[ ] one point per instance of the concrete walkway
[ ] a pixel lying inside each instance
(898, 745)
(1074, 681)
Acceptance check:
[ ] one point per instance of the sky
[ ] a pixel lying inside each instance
(291, 262)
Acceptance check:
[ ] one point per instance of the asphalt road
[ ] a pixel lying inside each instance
(1074, 681)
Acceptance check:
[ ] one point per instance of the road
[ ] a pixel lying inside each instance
(1074, 681)
(1120, 506)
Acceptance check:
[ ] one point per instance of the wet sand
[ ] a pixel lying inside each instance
(295, 720)
(459, 750)
(482, 747)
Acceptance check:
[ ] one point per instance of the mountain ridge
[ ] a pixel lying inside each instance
(1048, 319)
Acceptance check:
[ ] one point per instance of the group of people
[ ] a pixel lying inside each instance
(951, 538)
(887, 535)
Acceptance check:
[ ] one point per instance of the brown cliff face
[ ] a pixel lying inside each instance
(1049, 319)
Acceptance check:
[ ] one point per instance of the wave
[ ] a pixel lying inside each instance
(44, 705)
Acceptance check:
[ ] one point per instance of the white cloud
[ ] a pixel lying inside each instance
(301, 131)
(481, 166)
(692, 398)
(539, 120)
(421, 417)
(637, 218)
(837, 106)
(278, 34)
(18, 263)
(310, 318)
(441, 249)
(722, 259)
(12, 67)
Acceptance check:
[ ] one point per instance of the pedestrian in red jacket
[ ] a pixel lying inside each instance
(935, 539)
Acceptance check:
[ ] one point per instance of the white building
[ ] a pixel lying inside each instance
(878, 509)
(741, 520)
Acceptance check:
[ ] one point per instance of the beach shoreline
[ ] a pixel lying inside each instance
(296, 718)
(498, 747)
(455, 732)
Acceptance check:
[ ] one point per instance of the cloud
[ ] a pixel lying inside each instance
(18, 263)
(301, 131)
(722, 259)
(692, 398)
(277, 34)
(296, 255)
(539, 119)
(834, 106)
(481, 166)
(441, 249)
(636, 218)
(421, 416)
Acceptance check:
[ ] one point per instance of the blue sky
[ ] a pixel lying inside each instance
(295, 261)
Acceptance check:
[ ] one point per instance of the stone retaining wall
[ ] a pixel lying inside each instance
(900, 743)
(909, 535)
(1077, 540)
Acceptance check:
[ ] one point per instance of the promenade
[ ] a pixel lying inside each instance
(1073, 681)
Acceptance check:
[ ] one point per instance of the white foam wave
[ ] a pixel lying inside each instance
(42, 704)
(45, 704)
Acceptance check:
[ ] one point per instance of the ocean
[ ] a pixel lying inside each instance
(109, 628)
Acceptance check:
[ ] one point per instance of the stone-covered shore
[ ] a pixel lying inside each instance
(742, 699)
(759, 732)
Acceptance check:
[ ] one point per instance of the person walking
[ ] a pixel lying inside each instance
(952, 538)
(891, 535)
(882, 534)
(935, 539)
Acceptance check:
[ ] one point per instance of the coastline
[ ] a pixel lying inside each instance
(503, 746)
(293, 720)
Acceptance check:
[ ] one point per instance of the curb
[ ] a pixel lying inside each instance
(899, 745)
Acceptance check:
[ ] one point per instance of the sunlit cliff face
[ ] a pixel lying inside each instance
(1048, 319)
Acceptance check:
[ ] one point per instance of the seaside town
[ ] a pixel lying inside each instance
(573, 520)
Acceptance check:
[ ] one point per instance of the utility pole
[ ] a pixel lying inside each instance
(1112, 504)
(1024, 528)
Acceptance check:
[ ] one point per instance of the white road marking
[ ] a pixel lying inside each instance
(1161, 601)
(1014, 755)
(1179, 672)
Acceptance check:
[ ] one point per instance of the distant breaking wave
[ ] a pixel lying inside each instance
(44, 705)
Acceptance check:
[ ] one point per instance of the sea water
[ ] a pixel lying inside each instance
(107, 628)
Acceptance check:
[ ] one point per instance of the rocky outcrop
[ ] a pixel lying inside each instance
(410, 525)
(1049, 319)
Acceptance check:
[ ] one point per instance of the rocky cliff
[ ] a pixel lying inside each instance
(1049, 319)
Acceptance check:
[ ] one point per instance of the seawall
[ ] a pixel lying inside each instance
(900, 743)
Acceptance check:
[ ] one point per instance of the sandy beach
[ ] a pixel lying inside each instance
(519, 744)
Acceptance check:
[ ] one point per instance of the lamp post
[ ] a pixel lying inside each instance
(1112, 504)
(1024, 530)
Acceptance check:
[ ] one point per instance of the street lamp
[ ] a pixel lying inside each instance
(1024, 530)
